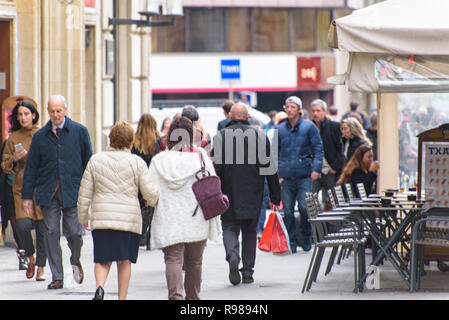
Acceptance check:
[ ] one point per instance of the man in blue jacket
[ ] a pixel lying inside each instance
(300, 157)
(58, 155)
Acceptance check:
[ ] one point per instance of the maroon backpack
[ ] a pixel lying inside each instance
(207, 191)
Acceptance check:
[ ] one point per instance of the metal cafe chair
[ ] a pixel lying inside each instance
(323, 239)
(349, 191)
(340, 196)
(362, 191)
(343, 249)
(429, 230)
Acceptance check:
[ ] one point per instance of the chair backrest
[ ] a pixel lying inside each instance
(362, 191)
(317, 203)
(331, 198)
(310, 206)
(349, 192)
(319, 229)
(340, 195)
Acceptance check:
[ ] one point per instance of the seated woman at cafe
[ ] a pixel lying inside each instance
(361, 169)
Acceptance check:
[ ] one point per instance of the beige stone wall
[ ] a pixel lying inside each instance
(63, 56)
(133, 45)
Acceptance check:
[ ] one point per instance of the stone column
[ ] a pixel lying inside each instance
(388, 141)
(63, 60)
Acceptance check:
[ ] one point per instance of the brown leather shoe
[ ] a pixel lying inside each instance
(56, 284)
(40, 274)
(31, 268)
(78, 273)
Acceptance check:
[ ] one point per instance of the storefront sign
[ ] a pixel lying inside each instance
(309, 72)
(230, 69)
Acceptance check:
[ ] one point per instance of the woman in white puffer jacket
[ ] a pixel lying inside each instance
(110, 188)
(174, 229)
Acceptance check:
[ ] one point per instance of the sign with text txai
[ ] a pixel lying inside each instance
(230, 69)
(436, 173)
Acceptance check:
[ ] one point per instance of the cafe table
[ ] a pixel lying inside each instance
(387, 242)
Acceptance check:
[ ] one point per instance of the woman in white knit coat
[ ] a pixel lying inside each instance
(110, 188)
(175, 230)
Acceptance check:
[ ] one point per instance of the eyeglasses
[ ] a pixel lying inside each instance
(290, 107)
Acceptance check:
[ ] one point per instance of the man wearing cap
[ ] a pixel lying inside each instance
(300, 157)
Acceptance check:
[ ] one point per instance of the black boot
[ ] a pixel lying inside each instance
(99, 294)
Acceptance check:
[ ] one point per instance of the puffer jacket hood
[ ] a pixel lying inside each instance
(177, 168)
(172, 174)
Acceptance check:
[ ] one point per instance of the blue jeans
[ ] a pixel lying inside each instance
(293, 191)
(263, 209)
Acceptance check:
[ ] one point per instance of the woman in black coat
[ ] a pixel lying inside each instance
(353, 136)
(361, 169)
(146, 142)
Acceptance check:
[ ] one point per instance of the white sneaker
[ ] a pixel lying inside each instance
(78, 273)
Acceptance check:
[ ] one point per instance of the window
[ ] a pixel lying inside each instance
(246, 30)
(206, 30)
(239, 29)
(323, 21)
(169, 39)
(270, 30)
(303, 29)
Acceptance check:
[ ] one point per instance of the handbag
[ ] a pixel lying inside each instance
(280, 242)
(275, 236)
(265, 240)
(207, 190)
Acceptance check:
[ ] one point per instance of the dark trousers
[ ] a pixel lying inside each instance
(24, 227)
(8, 213)
(325, 182)
(231, 232)
(71, 228)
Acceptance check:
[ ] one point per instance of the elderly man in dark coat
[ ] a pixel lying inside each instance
(242, 175)
(58, 155)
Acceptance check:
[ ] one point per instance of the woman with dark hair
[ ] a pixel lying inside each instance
(181, 234)
(361, 169)
(109, 187)
(23, 120)
(145, 144)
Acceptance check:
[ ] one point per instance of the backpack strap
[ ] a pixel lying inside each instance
(196, 209)
(203, 171)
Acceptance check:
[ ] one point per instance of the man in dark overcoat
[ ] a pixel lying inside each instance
(243, 159)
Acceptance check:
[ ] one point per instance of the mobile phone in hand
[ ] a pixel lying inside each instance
(19, 147)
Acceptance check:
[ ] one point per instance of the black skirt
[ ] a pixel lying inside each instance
(115, 245)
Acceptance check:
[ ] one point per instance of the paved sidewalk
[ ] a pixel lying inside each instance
(277, 277)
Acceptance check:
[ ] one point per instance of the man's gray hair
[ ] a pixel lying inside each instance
(319, 102)
(58, 97)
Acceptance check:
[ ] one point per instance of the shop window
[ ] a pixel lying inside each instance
(238, 30)
(303, 29)
(270, 30)
(206, 30)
